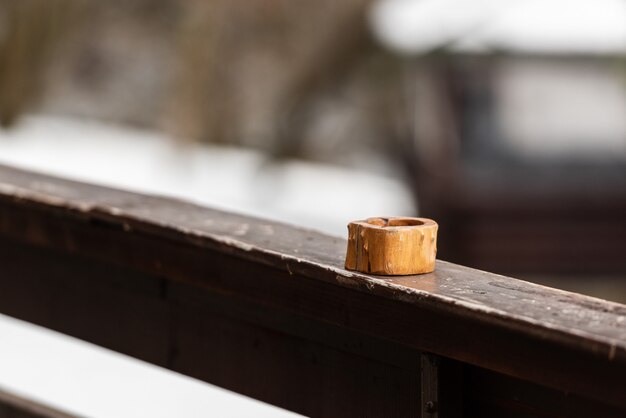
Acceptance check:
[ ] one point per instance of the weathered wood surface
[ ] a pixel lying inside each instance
(200, 291)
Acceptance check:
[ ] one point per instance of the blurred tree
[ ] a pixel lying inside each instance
(281, 75)
(30, 31)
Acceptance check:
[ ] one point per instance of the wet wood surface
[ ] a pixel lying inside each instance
(268, 310)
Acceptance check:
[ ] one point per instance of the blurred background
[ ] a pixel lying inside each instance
(505, 121)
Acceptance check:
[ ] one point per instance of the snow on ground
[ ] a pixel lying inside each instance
(86, 380)
(312, 195)
(530, 26)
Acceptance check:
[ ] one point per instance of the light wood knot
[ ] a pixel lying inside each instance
(392, 245)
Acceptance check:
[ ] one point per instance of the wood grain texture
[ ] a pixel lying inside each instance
(153, 256)
(392, 246)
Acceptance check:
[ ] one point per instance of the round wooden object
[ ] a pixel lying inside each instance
(392, 246)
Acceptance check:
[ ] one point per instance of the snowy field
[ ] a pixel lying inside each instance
(312, 195)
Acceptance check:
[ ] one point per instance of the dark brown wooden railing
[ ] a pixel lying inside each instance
(268, 310)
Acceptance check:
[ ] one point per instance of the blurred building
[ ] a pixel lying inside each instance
(519, 131)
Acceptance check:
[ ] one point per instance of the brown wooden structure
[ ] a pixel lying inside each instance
(500, 211)
(267, 310)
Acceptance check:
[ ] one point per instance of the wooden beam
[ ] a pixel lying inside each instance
(15, 406)
(268, 310)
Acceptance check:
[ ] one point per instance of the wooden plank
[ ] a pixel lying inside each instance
(430, 385)
(294, 362)
(492, 394)
(15, 406)
(290, 281)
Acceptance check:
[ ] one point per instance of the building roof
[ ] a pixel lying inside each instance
(561, 27)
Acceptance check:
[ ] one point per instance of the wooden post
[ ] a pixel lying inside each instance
(430, 385)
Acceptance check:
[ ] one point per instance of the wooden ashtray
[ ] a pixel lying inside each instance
(392, 246)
